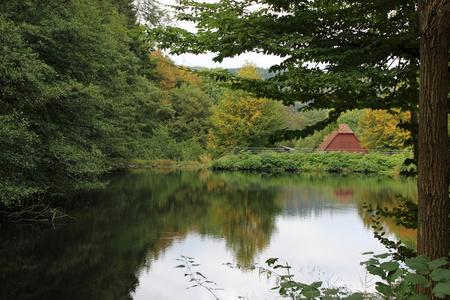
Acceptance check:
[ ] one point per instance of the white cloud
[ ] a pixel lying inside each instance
(205, 60)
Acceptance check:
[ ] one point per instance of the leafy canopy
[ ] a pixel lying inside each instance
(338, 55)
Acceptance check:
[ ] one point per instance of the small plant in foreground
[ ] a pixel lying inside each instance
(197, 278)
(289, 288)
(400, 282)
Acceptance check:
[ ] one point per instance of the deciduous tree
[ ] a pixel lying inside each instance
(241, 120)
(433, 167)
(379, 130)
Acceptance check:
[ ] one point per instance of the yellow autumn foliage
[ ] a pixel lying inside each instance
(380, 131)
(241, 120)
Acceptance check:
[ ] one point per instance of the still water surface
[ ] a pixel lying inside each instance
(126, 243)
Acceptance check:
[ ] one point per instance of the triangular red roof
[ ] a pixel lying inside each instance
(328, 141)
(342, 139)
(344, 129)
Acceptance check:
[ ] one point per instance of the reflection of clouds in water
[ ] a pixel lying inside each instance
(319, 233)
(332, 243)
(164, 281)
(325, 247)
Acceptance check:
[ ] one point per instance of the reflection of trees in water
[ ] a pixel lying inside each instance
(137, 218)
(309, 195)
(228, 208)
(388, 198)
(132, 222)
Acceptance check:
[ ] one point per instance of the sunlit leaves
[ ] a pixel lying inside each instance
(242, 120)
(379, 130)
(171, 76)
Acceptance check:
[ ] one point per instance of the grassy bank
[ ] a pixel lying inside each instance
(169, 163)
(321, 162)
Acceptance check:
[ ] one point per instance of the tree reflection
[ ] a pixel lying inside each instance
(139, 216)
(129, 225)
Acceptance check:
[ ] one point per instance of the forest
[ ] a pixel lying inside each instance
(84, 92)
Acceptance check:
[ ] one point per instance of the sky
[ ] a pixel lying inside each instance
(205, 60)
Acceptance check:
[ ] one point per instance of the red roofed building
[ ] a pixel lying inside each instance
(343, 139)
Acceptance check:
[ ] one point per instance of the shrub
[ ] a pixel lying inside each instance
(289, 162)
(270, 160)
(191, 150)
(205, 158)
(252, 162)
(331, 162)
(227, 162)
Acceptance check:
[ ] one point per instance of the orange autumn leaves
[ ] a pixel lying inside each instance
(171, 76)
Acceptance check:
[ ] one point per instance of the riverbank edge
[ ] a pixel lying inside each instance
(292, 163)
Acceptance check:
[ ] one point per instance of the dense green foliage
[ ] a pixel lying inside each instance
(81, 95)
(331, 162)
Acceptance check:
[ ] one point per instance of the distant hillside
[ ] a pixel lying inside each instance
(265, 72)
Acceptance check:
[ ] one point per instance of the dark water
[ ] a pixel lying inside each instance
(127, 243)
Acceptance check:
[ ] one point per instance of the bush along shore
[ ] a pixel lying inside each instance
(318, 162)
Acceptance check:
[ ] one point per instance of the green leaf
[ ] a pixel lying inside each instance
(309, 291)
(376, 271)
(384, 289)
(390, 266)
(437, 263)
(442, 289)
(402, 289)
(331, 292)
(393, 275)
(441, 275)
(419, 263)
(418, 297)
(271, 261)
(382, 256)
(180, 266)
(356, 296)
(417, 279)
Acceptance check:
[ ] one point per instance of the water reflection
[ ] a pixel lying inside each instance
(125, 245)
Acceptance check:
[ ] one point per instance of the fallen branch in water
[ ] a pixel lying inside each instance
(38, 213)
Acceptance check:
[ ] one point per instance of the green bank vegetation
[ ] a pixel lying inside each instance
(329, 162)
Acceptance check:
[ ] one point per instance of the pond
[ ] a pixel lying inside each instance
(126, 241)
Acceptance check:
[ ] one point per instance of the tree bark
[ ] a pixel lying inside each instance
(433, 182)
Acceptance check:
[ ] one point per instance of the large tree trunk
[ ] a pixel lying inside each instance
(433, 182)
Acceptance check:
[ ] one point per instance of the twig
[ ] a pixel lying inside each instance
(197, 277)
